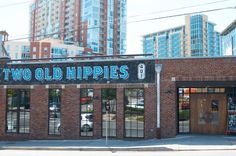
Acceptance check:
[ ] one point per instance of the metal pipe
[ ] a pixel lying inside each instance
(158, 68)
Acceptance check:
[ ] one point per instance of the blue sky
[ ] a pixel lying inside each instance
(15, 19)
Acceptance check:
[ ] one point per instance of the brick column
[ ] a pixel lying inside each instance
(120, 113)
(39, 113)
(168, 109)
(150, 112)
(2, 111)
(97, 120)
(70, 110)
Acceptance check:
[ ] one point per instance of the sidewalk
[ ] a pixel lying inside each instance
(180, 143)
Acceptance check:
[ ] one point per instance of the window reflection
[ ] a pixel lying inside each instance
(18, 111)
(184, 109)
(54, 111)
(109, 97)
(134, 113)
(86, 109)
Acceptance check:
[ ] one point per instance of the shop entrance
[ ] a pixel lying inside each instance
(208, 113)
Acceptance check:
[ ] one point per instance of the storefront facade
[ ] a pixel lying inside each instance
(69, 100)
(198, 96)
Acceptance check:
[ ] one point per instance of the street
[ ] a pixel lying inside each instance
(116, 153)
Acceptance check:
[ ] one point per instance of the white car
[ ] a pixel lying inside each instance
(86, 122)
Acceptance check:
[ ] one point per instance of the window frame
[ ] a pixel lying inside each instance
(53, 112)
(18, 112)
(92, 112)
(143, 114)
(115, 90)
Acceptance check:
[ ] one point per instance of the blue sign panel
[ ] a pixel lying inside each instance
(137, 71)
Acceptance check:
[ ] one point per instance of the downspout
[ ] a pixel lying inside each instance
(158, 68)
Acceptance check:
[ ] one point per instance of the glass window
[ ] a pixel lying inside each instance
(34, 56)
(184, 109)
(86, 110)
(54, 109)
(134, 113)
(34, 49)
(18, 111)
(109, 118)
(45, 49)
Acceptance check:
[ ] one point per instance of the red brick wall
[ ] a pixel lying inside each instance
(39, 112)
(70, 111)
(218, 69)
(37, 46)
(204, 69)
(47, 52)
(120, 112)
(2, 110)
(150, 111)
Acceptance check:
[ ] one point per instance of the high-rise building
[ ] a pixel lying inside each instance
(45, 19)
(96, 24)
(229, 39)
(196, 38)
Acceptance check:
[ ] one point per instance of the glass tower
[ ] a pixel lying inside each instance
(196, 38)
(229, 39)
(97, 25)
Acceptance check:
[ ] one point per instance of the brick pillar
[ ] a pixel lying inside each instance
(150, 115)
(2, 111)
(168, 109)
(120, 113)
(39, 112)
(70, 110)
(97, 120)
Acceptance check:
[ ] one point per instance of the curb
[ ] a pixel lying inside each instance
(113, 149)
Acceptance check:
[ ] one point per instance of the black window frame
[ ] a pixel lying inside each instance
(90, 114)
(142, 113)
(55, 113)
(109, 112)
(18, 111)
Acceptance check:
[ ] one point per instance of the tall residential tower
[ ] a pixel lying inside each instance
(99, 25)
(196, 38)
(229, 39)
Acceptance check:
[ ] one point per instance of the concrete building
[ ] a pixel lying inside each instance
(18, 50)
(196, 38)
(96, 24)
(53, 48)
(3, 39)
(229, 39)
(46, 48)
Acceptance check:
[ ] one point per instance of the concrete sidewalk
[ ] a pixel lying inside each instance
(180, 143)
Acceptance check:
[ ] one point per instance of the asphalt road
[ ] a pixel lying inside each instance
(116, 153)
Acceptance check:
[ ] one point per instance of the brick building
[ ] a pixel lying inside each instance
(146, 98)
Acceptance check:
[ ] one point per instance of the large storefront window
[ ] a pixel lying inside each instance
(54, 107)
(18, 111)
(109, 98)
(86, 118)
(134, 113)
